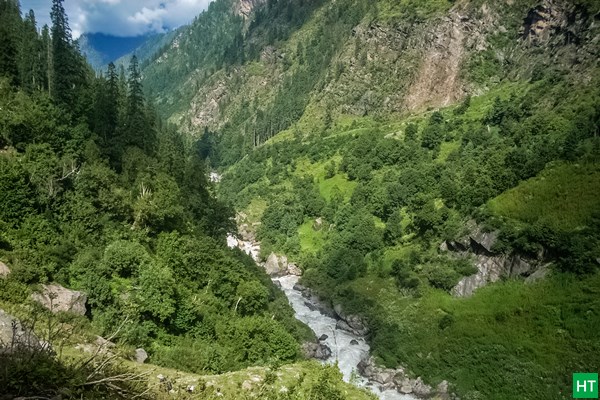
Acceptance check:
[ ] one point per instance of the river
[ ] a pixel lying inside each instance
(346, 354)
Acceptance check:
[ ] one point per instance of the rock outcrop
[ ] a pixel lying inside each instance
(389, 378)
(57, 298)
(491, 266)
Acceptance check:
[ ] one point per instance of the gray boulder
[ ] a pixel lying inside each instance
(276, 266)
(4, 270)
(57, 298)
(316, 350)
(140, 355)
(420, 388)
(15, 337)
(293, 269)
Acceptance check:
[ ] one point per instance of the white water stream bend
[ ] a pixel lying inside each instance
(339, 341)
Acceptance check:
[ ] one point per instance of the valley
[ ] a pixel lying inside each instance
(303, 200)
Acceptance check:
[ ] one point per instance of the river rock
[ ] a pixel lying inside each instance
(442, 390)
(4, 270)
(140, 356)
(57, 298)
(302, 289)
(276, 266)
(354, 342)
(323, 337)
(311, 306)
(316, 350)
(406, 389)
(420, 388)
(293, 269)
(383, 377)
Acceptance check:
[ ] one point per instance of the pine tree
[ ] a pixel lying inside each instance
(46, 57)
(66, 74)
(10, 29)
(138, 131)
(31, 54)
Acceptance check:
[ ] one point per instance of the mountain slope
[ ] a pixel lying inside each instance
(406, 154)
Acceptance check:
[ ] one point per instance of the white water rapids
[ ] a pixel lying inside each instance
(339, 341)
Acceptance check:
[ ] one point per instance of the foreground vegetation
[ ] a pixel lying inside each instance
(99, 195)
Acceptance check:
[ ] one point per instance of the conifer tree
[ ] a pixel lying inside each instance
(10, 29)
(66, 75)
(31, 53)
(138, 131)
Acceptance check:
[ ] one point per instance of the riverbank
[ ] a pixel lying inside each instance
(342, 338)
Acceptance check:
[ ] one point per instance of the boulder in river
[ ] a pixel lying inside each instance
(316, 350)
(323, 337)
(354, 342)
(276, 266)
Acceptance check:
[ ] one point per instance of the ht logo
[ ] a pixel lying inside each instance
(585, 386)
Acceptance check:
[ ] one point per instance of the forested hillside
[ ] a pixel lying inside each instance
(99, 195)
(406, 154)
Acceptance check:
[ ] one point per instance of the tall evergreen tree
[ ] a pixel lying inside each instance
(31, 53)
(10, 29)
(138, 130)
(66, 74)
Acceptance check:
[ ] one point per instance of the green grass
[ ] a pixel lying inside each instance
(311, 240)
(509, 341)
(248, 383)
(326, 186)
(564, 196)
(446, 149)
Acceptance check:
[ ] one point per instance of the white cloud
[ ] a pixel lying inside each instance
(121, 17)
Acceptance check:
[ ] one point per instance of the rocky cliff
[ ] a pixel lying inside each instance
(478, 246)
(387, 63)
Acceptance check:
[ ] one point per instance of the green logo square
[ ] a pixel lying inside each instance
(585, 386)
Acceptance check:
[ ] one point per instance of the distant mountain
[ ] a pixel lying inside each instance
(149, 50)
(100, 49)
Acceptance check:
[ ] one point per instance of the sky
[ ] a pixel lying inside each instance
(120, 17)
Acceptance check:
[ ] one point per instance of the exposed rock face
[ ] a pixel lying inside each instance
(564, 27)
(316, 350)
(4, 270)
(15, 337)
(491, 266)
(244, 8)
(57, 298)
